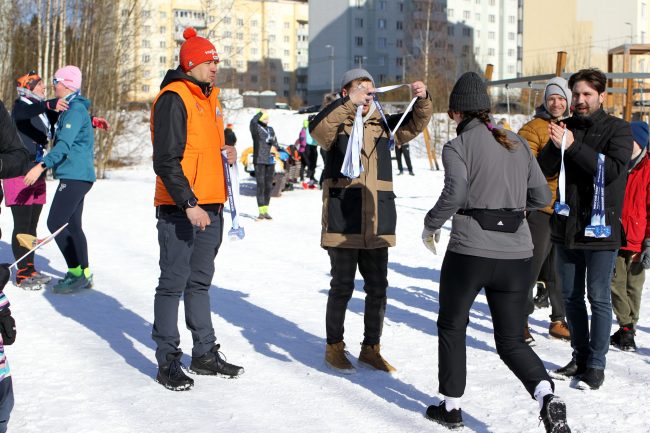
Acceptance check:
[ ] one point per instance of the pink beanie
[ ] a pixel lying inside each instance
(70, 77)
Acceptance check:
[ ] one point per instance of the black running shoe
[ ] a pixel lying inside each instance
(172, 377)
(213, 365)
(553, 415)
(592, 378)
(568, 371)
(453, 419)
(623, 339)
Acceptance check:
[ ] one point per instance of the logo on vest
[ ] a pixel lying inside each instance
(500, 223)
(218, 112)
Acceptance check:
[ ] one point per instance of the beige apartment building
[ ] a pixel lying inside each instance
(585, 29)
(263, 45)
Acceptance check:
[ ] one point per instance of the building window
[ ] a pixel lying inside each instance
(381, 42)
(466, 15)
(511, 69)
(287, 25)
(286, 80)
(399, 61)
(227, 34)
(450, 47)
(450, 13)
(450, 30)
(491, 51)
(492, 2)
(253, 51)
(226, 20)
(382, 5)
(511, 36)
(358, 60)
(358, 22)
(145, 58)
(491, 35)
(253, 78)
(511, 53)
(146, 44)
(287, 53)
(163, 15)
(163, 44)
(491, 18)
(163, 30)
(467, 31)
(240, 36)
(358, 40)
(511, 19)
(239, 64)
(381, 23)
(163, 60)
(145, 88)
(146, 73)
(466, 50)
(477, 17)
(253, 23)
(399, 43)
(286, 39)
(240, 22)
(285, 66)
(399, 25)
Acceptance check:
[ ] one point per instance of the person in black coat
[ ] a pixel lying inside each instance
(587, 235)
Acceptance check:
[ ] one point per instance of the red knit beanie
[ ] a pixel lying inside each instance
(196, 50)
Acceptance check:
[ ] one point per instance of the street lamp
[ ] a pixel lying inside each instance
(331, 47)
(631, 32)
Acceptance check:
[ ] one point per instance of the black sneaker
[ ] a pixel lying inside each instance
(212, 364)
(453, 419)
(541, 298)
(553, 415)
(568, 371)
(592, 378)
(623, 339)
(172, 377)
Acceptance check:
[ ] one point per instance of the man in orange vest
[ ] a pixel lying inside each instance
(188, 137)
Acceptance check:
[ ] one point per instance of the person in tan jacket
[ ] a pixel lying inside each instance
(557, 98)
(359, 215)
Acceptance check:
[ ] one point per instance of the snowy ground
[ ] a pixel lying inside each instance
(85, 362)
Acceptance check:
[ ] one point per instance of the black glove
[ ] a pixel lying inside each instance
(7, 327)
(644, 259)
(5, 273)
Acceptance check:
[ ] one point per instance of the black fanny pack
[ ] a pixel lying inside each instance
(496, 220)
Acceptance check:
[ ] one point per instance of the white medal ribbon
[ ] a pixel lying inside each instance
(561, 208)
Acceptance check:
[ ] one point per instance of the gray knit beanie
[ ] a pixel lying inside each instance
(469, 94)
(558, 86)
(355, 74)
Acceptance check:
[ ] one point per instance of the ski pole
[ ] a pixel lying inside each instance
(40, 244)
(236, 232)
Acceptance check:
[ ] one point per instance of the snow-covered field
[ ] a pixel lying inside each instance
(85, 363)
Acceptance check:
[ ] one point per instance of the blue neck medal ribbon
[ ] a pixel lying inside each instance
(598, 227)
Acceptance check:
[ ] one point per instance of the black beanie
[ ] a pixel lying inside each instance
(469, 94)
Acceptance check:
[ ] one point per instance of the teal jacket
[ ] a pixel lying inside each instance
(72, 156)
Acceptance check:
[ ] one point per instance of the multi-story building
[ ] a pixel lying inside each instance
(585, 29)
(262, 44)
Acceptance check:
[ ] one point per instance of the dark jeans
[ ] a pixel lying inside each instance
(25, 221)
(403, 150)
(373, 265)
(68, 207)
(264, 178)
(312, 157)
(544, 260)
(590, 344)
(6, 402)
(186, 268)
(505, 283)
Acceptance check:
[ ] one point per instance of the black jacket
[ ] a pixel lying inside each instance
(13, 155)
(33, 131)
(170, 137)
(263, 139)
(599, 133)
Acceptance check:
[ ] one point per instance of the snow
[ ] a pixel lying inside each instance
(85, 362)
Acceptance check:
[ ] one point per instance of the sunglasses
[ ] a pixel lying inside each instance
(56, 80)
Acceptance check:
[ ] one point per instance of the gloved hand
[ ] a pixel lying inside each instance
(101, 123)
(57, 104)
(430, 238)
(644, 259)
(5, 274)
(7, 327)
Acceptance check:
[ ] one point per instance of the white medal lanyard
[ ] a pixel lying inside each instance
(561, 208)
(391, 133)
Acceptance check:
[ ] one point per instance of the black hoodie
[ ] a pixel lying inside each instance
(13, 155)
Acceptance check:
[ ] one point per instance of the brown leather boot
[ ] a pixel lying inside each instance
(559, 330)
(335, 358)
(370, 356)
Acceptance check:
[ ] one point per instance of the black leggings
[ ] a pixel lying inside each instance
(505, 283)
(264, 178)
(25, 221)
(67, 207)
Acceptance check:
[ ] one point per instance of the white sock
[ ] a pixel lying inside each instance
(542, 390)
(452, 403)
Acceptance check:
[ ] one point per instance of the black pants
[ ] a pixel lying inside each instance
(461, 279)
(264, 178)
(312, 158)
(373, 265)
(403, 150)
(304, 162)
(67, 207)
(187, 256)
(543, 262)
(25, 221)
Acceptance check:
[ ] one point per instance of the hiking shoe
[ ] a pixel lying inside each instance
(568, 371)
(336, 360)
(623, 339)
(541, 298)
(411, 173)
(212, 364)
(370, 356)
(30, 284)
(592, 378)
(23, 274)
(453, 419)
(173, 377)
(528, 338)
(553, 415)
(41, 278)
(560, 330)
(71, 284)
(266, 216)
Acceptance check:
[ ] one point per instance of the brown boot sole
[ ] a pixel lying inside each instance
(350, 370)
(372, 367)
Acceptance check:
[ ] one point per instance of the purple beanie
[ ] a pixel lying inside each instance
(70, 77)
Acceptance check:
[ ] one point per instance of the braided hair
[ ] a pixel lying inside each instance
(498, 133)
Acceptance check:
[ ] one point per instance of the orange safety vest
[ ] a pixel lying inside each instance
(202, 163)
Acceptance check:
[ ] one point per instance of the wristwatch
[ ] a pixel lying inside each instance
(44, 166)
(190, 203)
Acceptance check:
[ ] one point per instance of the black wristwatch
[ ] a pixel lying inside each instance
(44, 166)
(190, 203)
